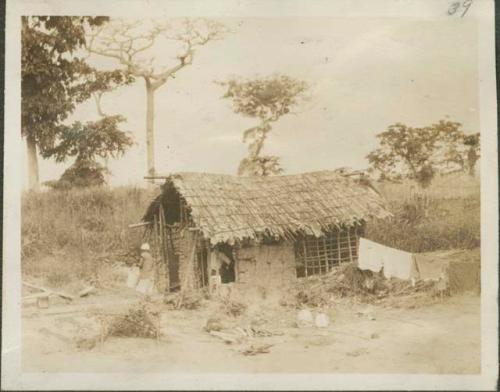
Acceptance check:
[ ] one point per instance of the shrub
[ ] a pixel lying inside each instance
(141, 320)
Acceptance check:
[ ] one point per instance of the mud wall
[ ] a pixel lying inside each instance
(188, 245)
(175, 264)
(268, 266)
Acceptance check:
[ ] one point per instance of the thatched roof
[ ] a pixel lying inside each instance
(229, 208)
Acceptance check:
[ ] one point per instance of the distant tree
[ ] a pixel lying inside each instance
(420, 153)
(472, 142)
(86, 142)
(266, 99)
(54, 79)
(129, 42)
(266, 165)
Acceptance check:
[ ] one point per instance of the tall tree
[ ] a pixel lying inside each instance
(129, 42)
(54, 79)
(419, 153)
(266, 99)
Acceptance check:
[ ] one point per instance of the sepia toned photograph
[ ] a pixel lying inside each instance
(233, 194)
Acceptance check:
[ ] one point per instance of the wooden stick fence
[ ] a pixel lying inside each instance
(320, 255)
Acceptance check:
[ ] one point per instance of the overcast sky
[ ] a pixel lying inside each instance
(364, 74)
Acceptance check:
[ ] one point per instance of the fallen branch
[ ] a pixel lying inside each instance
(140, 224)
(86, 291)
(254, 350)
(225, 336)
(49, 291)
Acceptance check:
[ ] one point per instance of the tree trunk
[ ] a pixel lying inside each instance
(472, 158)
(33, 180)
(150, 137)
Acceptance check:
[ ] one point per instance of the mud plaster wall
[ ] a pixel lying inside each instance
(187, 241)
(169, 272)
(267, 266)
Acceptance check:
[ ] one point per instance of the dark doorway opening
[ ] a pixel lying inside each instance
(227, 271)
(173, 262)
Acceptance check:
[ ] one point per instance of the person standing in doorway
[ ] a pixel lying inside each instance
(146, 276)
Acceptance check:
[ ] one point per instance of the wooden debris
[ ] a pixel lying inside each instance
(35, 296)
(140, 224)
(86, 291)
(226, 337)
(59, 336)
(47, 292)
(254, 350)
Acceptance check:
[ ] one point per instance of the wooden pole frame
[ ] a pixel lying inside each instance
(349, 242)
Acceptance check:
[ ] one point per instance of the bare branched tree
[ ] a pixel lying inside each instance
(128, 43)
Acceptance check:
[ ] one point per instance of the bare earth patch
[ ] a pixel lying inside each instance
(437, 338)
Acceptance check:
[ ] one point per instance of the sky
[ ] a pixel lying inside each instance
(363, 75)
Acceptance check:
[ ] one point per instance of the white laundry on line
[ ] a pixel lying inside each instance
(395, 262)
(370, 255)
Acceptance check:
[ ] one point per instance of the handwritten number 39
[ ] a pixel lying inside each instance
(454, 7)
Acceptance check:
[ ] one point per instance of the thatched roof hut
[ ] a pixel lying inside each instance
(229, 209)
(269, 230)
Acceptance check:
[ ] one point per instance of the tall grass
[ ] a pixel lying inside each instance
(75, 234)
(444, 216)
(451, 186)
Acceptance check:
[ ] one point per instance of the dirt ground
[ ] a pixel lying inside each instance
(440, 337)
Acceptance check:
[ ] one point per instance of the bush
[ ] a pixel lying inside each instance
(437, 224)
(82, 174)
(141, 320)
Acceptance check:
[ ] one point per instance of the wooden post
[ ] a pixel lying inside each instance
(154, 247)
(317, 267)
(158, 328)
(356, 235)
(101, 340)
(160, 262)
(305, 255)
(164, 248)
(325, 254)
(338, 247)
(349, 242)
(325, 250)
(208, 270)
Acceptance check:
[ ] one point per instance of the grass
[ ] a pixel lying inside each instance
(447, 187)
(444, 216)
(78, 235)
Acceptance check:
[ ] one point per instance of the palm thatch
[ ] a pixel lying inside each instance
(228, 208)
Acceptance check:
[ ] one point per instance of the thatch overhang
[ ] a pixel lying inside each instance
(228, 208)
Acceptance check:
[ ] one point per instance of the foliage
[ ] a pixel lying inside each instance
(419, 153)
(266, 99)
(83, 173)
(472, 142)
(87, 141)
(260, 166)
(141, 320)
(429, 225)
(55, 78)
